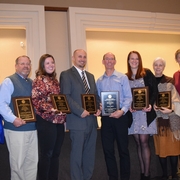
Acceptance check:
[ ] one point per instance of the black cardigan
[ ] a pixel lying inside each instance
(150, 81)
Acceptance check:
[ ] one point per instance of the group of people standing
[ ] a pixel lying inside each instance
(34, 147)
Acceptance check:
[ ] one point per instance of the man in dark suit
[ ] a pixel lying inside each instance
(81, 124)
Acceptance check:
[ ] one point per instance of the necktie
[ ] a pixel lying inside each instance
(86, 87)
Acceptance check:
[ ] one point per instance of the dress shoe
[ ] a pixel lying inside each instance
(142, 176)
(112, 178)
(164, 178)
(175, 177)
(146, 178)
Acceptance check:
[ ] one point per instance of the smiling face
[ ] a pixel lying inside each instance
(23, 66)
(109, 61)
(178, 58)
(49, 65)
(134, 61)
(79, 58)
(158, 67)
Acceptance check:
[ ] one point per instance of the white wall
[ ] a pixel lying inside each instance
(149, 45)
(10, 49)
(98, 43)
(57, 39)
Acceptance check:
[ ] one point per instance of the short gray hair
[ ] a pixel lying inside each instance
(159, 58)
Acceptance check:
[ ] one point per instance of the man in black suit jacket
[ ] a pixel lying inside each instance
(81, 124)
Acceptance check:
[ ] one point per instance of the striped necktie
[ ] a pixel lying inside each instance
(86, 87)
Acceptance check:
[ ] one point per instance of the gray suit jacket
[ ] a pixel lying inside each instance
(72, 86)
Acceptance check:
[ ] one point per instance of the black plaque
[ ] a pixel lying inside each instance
(60, 103)
(89, 103)
(110, 102)
(164, 99)
(23, 108)
(140, 97)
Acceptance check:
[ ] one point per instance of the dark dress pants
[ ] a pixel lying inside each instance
(50, 139)
(116, 129)
(83, 146)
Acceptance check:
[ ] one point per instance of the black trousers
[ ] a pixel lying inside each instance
(116, 130)
(50, 139)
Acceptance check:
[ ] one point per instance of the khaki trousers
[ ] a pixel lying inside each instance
(23, 154)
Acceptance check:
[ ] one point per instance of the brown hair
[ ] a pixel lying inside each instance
(41, 70)
(109, 53)
(176, 53)
(140, 72)
(17, 59)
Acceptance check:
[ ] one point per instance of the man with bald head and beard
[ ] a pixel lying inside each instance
(81, 124)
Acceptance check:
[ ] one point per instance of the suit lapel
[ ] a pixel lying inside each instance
(78, 77)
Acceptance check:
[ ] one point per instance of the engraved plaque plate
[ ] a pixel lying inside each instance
(140, 97)
(60, 103)
(89, 103)
(164, 99)
(23, 108)
(110, 102)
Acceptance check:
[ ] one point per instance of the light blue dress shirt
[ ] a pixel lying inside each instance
(116, 82)
(6, 90)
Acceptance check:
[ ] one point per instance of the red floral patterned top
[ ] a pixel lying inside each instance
(43, 86)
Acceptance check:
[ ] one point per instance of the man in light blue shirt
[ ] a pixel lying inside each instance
(21, 137)
(115, 126)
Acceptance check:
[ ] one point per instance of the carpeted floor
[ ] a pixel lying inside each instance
(100, 172)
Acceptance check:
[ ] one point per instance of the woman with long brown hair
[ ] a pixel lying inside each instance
(50, 123)
(144, 122)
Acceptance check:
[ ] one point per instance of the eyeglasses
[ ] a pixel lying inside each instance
(109, 59)
(24, 64)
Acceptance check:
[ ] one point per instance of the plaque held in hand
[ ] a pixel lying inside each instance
(89, 103)
(140, 97)
(23, 108)
(164, 99)
(60, 103)
(110, 102)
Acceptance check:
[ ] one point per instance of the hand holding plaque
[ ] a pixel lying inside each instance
(140, 98)
(60, 103)
(89, 103)
(23, 108)
(164, 99)
(110, 102)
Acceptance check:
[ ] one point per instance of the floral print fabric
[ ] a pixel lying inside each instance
(139, 125)
(43, 86)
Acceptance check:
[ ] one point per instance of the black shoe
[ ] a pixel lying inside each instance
(164, 178)
(175, 177)
(112, 178)
(146, 178)
(142, 176)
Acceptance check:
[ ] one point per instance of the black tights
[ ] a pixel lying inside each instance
(173, 161)
(142, 141)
